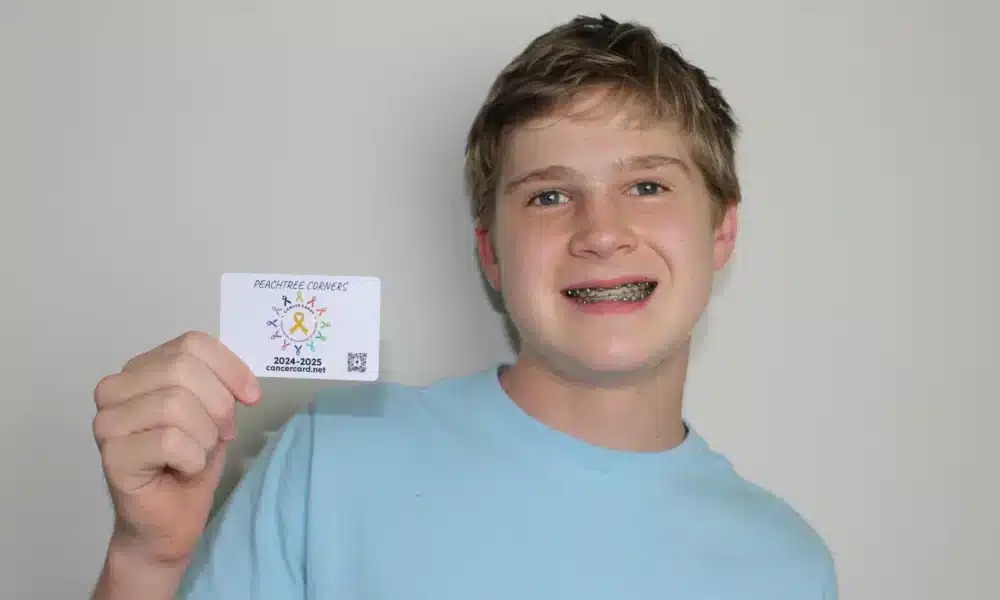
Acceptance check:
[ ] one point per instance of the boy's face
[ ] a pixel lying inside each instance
(597, 199)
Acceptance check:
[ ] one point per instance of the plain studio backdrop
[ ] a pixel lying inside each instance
(148, 147)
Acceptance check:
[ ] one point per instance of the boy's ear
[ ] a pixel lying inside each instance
(725, 235)
(487, 256)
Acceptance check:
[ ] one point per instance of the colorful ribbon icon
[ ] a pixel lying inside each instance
(299, 323)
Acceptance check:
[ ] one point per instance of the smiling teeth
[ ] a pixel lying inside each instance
(629, 292)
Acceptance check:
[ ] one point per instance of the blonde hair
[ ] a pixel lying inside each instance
(625, 59)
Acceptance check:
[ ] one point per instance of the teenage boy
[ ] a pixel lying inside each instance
(603, 181)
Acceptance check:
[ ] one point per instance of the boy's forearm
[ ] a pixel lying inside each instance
(126, 577)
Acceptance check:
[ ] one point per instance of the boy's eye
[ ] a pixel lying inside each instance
(548, 198)
(647, 188)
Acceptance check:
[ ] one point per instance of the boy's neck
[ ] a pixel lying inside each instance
(642, 415)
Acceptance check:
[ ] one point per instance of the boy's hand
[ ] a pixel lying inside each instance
(162, 426)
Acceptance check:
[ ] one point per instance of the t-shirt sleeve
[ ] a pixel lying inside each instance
(830, 591)
(254, 547)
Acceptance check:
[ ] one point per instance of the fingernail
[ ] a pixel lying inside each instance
(228, 432)
(253, 391)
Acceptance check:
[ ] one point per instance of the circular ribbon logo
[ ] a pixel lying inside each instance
(298, 324)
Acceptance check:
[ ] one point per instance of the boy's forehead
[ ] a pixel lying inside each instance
(590, 141)
(595, 128)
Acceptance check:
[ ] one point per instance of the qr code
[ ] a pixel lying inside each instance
(357, 362)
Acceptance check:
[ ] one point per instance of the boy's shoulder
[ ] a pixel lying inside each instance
(385, 402)
(382, 416)
(757, 523)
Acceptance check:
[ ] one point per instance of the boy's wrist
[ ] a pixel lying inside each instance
(128, 574)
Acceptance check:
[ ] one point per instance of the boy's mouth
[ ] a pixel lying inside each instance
(628, 291)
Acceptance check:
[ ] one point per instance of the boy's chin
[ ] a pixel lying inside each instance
(612, 368)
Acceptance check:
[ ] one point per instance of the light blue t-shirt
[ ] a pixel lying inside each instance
(452, 492)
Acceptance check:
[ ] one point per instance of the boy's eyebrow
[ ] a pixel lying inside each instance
(652, 161)
(544, 174)
(633, 163)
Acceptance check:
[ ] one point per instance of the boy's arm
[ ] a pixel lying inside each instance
(125, 576)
